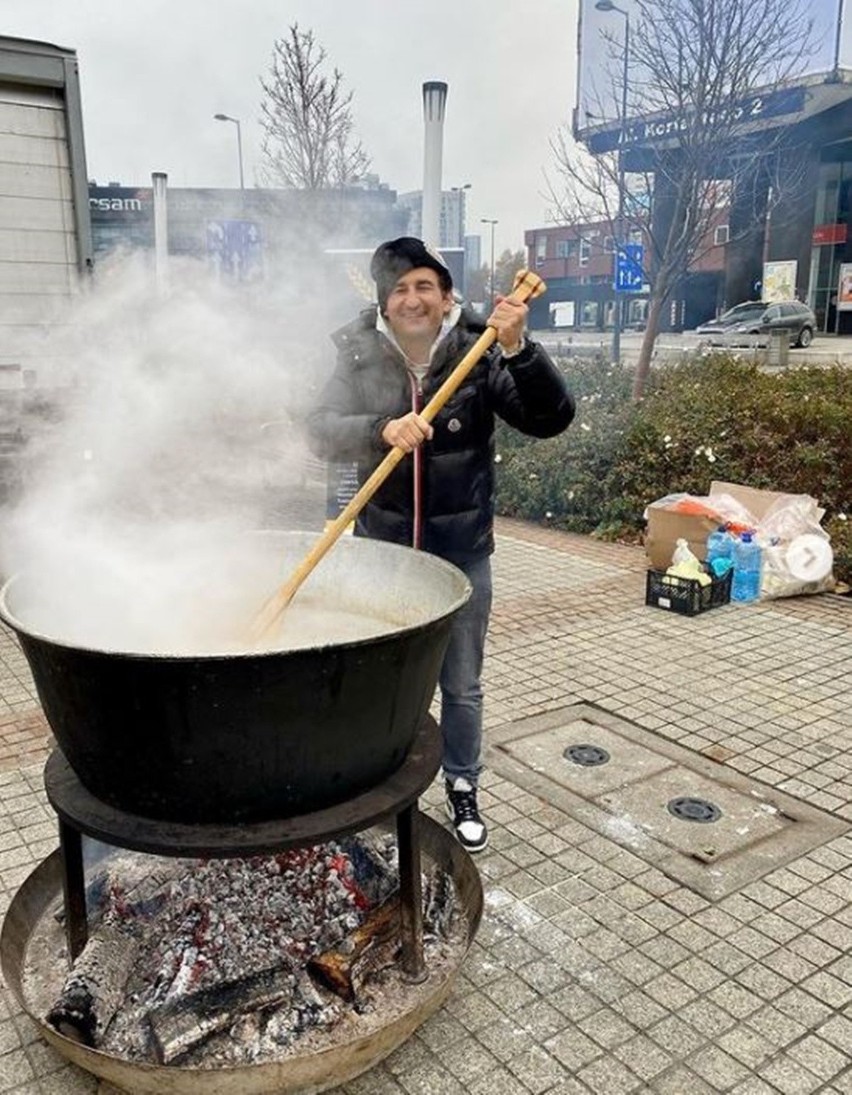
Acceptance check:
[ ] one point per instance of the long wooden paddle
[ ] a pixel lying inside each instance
(527, 286)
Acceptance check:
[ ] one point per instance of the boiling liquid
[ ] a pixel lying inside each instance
(305, 624)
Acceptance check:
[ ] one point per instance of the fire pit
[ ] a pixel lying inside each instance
(179, 739)
(32, 937)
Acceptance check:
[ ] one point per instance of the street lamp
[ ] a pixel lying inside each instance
(608, 6)
(236, 121)
(487, 220)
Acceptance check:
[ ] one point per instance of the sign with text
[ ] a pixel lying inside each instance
(826, 234)
(603, 34)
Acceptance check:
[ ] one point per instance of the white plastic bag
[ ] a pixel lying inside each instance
(797, 556)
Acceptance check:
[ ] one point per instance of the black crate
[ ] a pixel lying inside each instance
(686, 595)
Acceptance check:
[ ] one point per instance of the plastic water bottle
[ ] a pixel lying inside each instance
(748, 557)
(720, 552)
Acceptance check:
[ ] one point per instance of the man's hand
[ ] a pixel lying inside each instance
(408, 432)
(508, 319)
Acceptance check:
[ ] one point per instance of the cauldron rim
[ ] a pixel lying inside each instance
(20, 627)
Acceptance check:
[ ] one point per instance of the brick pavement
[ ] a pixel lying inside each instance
(594, 971)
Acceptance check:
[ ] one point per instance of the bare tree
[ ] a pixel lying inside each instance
(306, 115)
(700, 70)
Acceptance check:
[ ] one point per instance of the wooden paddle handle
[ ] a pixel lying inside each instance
(527, 286)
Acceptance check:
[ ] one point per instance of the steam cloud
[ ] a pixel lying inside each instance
(179, 425)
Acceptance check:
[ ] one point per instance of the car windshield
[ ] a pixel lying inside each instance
(745, 311)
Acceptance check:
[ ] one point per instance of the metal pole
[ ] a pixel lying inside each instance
(491, 282)
(236, 121)
(240, 153)
(620, 241)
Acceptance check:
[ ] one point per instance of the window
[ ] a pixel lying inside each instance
(541, 248)
(609, 245)
(565, 248)
(636, 236)
(721, 234)
(585, 252)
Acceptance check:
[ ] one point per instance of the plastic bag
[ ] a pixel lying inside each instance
(797, 555)
(687, 565)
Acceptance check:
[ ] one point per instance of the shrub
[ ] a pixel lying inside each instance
(712, 416)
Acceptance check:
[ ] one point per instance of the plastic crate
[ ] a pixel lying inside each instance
(686, 595)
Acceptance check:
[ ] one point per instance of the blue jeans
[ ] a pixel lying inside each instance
(460, 680)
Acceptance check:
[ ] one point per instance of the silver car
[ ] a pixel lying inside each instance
(745, 323)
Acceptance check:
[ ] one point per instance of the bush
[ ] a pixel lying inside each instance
(712, 416)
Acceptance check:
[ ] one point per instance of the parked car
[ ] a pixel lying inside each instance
(755, 317)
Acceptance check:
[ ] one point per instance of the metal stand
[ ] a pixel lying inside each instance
(80, 813)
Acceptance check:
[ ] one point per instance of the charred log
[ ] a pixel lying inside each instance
(94, 989)
(337, 969)
(180, 1025)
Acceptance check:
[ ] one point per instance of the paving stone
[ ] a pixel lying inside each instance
(681, 1081)
(499, 1082)
(573, 1049)
(430, 1079)
(537, 1069)
(608, 1076)
(747, 1045)
(474, 1010)
(676, 1036)
(643, 1057)
(818, 1057)
(607, 1028)
(838, 1031)
(466, 1060)
(735, 999)
(717, 1068)
(787, 1075)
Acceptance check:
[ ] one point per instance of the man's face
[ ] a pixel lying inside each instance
(417, 305)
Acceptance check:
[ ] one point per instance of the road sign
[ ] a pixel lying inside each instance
(629, 275)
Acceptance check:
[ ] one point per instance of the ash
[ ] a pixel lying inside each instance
(220, 975)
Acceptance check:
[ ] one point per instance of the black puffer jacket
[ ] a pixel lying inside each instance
(440, 498)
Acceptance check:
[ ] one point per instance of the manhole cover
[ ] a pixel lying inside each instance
(694, 809)
(588, 755)
(642, 791)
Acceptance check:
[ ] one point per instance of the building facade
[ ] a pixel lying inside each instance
(791, 210)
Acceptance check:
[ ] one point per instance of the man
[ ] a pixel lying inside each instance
(440, 498)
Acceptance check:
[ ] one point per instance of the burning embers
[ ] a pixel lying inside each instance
(234, 961)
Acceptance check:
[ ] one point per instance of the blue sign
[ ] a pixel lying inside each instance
(629, 274)
(235, 249)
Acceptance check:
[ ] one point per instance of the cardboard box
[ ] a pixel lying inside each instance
(666, 527)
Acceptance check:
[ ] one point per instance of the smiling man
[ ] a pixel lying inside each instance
(440, 498)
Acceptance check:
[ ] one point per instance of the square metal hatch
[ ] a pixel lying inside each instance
(705, 825)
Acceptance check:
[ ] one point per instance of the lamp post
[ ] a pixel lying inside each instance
(236, 121)
(487, 220)
(608, 6)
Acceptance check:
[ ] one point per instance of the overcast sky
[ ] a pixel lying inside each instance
(154, 74)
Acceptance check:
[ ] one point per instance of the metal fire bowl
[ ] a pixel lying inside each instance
(38, 899)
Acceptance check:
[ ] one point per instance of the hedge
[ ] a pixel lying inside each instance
(709, 416)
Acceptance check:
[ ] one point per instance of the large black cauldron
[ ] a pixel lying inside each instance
(260, 734)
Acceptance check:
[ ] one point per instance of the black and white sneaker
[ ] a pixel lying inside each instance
(462, 811)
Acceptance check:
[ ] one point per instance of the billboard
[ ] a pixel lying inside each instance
(779, 280)
(600, 81)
